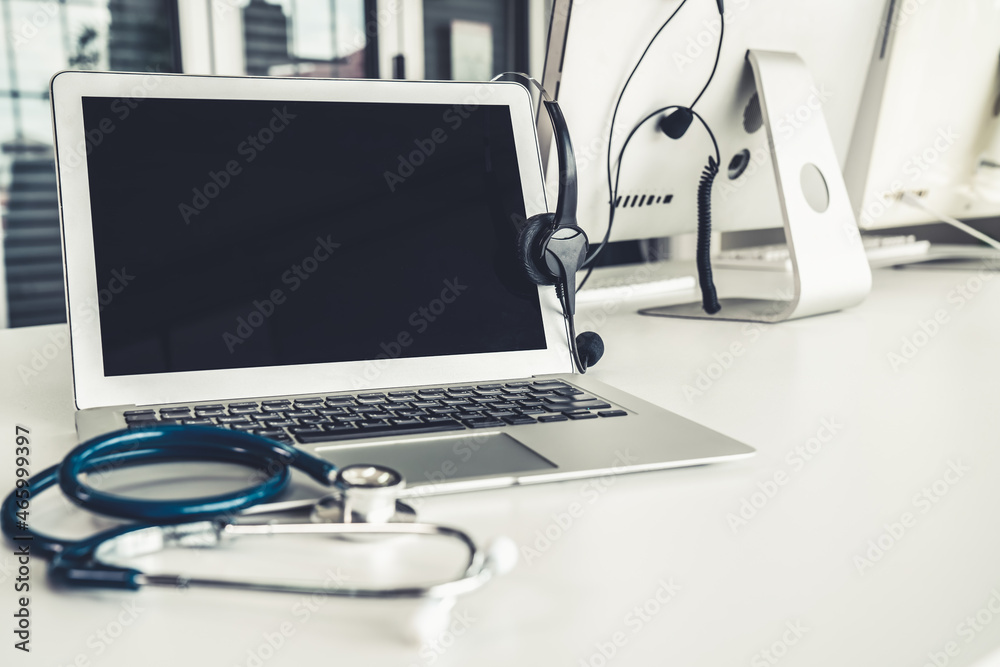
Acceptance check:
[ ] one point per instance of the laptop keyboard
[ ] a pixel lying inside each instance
(314, 419)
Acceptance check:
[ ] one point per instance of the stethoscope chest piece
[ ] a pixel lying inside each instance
(367, 494)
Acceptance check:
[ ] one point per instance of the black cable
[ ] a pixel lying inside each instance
(621, 155)
(613, 189)
(718, 54)
(614, 114)
(709, 298)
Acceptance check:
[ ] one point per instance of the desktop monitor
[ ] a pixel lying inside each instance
(593, 46)
(930, 117)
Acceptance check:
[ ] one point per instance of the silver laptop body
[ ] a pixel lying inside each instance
(304, 257)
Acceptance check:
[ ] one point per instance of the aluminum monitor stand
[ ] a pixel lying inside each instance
(829, 266)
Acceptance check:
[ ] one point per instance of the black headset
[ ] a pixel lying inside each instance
(552, 248)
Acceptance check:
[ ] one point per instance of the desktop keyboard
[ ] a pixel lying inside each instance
(376, 414)
(616, 283)
(880, 250)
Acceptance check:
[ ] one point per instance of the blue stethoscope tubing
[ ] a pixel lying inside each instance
(166, 444)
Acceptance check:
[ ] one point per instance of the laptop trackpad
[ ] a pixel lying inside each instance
(444, 460)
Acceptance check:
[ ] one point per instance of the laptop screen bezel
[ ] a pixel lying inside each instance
(92, 388)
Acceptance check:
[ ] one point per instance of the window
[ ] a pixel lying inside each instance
(39, 38)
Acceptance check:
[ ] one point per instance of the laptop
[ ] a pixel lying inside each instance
(330, 263)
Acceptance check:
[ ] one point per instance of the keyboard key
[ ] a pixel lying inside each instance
(401, 394)
(271, 432)
(437, 420)
(339, 401)
(243, 404)
(517, 420)
(131, 413)
(425, 404)
(198, 422)
(244, 427)
(553, 418)
(175, 412)
(296, 414)
(212, 412)
(480, 422)
(304, 430)
(210, 406)
(279, 403)
(581, 415)
(340, 428)
(405, 422)
(235, 420)
(247, 410)
(488, 386)
(431, 392)
(376, 431)
(569, 406)
(613, 413)
(549, 385)
(493, 423)
(280, 423)
(137, 419)
(530, 411)
(308, 403)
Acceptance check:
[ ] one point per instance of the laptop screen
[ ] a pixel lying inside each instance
(258, 233)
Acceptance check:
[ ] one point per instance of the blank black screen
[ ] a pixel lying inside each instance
(234, 234)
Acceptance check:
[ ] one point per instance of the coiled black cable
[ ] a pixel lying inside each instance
(709, 298)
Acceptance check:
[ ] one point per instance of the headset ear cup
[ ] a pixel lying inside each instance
(530, 248)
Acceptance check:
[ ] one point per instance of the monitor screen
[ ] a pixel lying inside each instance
(247, 233)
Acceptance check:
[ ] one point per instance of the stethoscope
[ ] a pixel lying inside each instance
(364, 502)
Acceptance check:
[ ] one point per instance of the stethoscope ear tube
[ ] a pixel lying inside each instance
(365, 492)
(174, 444)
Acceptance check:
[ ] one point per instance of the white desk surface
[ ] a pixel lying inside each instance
(794, 564)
